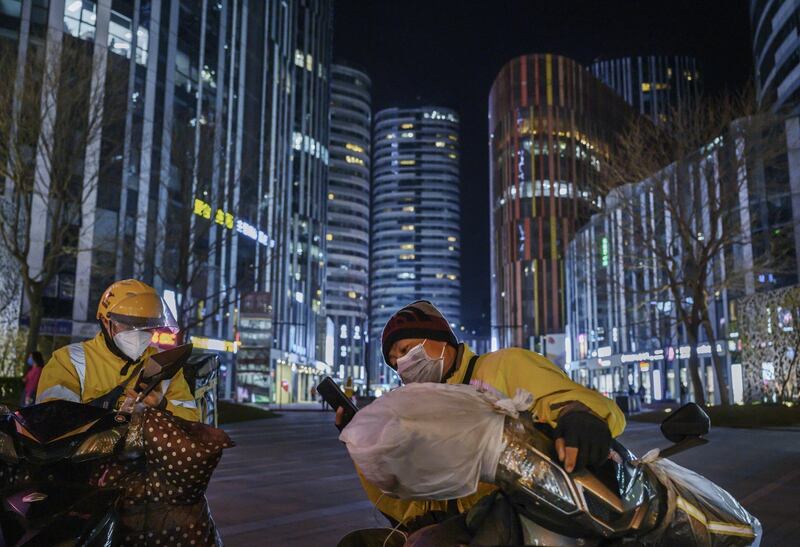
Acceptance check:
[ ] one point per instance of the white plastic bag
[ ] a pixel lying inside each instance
(431, 441)
(699, 512)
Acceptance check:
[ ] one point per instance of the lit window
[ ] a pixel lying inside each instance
(407, 126)
(407, 246)
(451, 156)
(119, 35)
(451, 277)
(299, 58)
(408, 209)
(408, 227)
(309, 63)
(329, 237)
(407, 134)
(451, 248)
(645, 86)
(353, 147)
(80, 19)
(331, 196)
(406, 275)
(452, 137)
(451, 239)
(353, 159)
(439, 144)
(390, 136)
(407, 257)
(439, 275)
(352, 294)
(408, 162)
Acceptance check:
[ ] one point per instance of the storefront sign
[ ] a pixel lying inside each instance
(215, 345)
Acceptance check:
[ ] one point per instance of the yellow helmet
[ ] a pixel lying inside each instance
(136, 305)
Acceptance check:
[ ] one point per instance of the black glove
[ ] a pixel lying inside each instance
(589, 434)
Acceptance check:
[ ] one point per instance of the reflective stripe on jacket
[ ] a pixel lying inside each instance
(84, 371)
(503, 372)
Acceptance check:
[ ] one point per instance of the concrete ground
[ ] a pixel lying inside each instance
(289, 481)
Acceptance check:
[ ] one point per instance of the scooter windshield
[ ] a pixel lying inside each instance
(50, 420)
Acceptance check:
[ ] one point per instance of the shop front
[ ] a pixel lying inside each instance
(295, 381)
(656, 376)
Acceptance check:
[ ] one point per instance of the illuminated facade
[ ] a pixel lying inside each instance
(347, 238)
(551, 124)
(653, 85)
(623, 325)
(416, 213)
(776, 49)
(219, 189)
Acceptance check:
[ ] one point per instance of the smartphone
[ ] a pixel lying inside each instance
(335, 397)
(162, 366)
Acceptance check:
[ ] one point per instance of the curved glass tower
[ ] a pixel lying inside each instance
(776, 50)
(416, 213)
(347, 280)
(551, 125)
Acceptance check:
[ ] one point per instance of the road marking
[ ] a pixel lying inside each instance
(769, 487)
(254, 526)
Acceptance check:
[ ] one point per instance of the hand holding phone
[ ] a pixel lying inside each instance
(334, 396)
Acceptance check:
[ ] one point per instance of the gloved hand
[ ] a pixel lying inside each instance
(581, 439)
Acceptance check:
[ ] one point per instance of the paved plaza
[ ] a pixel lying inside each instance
(290, 482)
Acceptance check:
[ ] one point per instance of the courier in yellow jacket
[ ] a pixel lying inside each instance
(419, 343)
(128, 312)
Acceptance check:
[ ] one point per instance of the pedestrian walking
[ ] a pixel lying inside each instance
(35, 362)
(633, 400)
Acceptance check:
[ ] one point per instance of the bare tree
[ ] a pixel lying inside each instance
(53, 150)
(686, 222)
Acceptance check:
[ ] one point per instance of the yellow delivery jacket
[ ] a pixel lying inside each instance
(84, 371)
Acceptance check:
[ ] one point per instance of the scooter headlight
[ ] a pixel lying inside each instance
(99, 444)
(8, 453)
(529, 469)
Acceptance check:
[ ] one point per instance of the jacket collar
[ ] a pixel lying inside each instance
(463, 355)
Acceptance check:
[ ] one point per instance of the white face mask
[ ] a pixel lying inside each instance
(133, 342)
(416, 366)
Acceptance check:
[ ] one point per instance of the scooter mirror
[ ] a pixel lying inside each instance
(688, 421)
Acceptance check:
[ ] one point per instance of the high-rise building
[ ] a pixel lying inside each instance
(654, 85)
(551, 127)
(347, 283)
(776, 51)
(296, 275)
(219, 187)
(416, 213)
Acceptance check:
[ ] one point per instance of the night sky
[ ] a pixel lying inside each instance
(445, 52)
